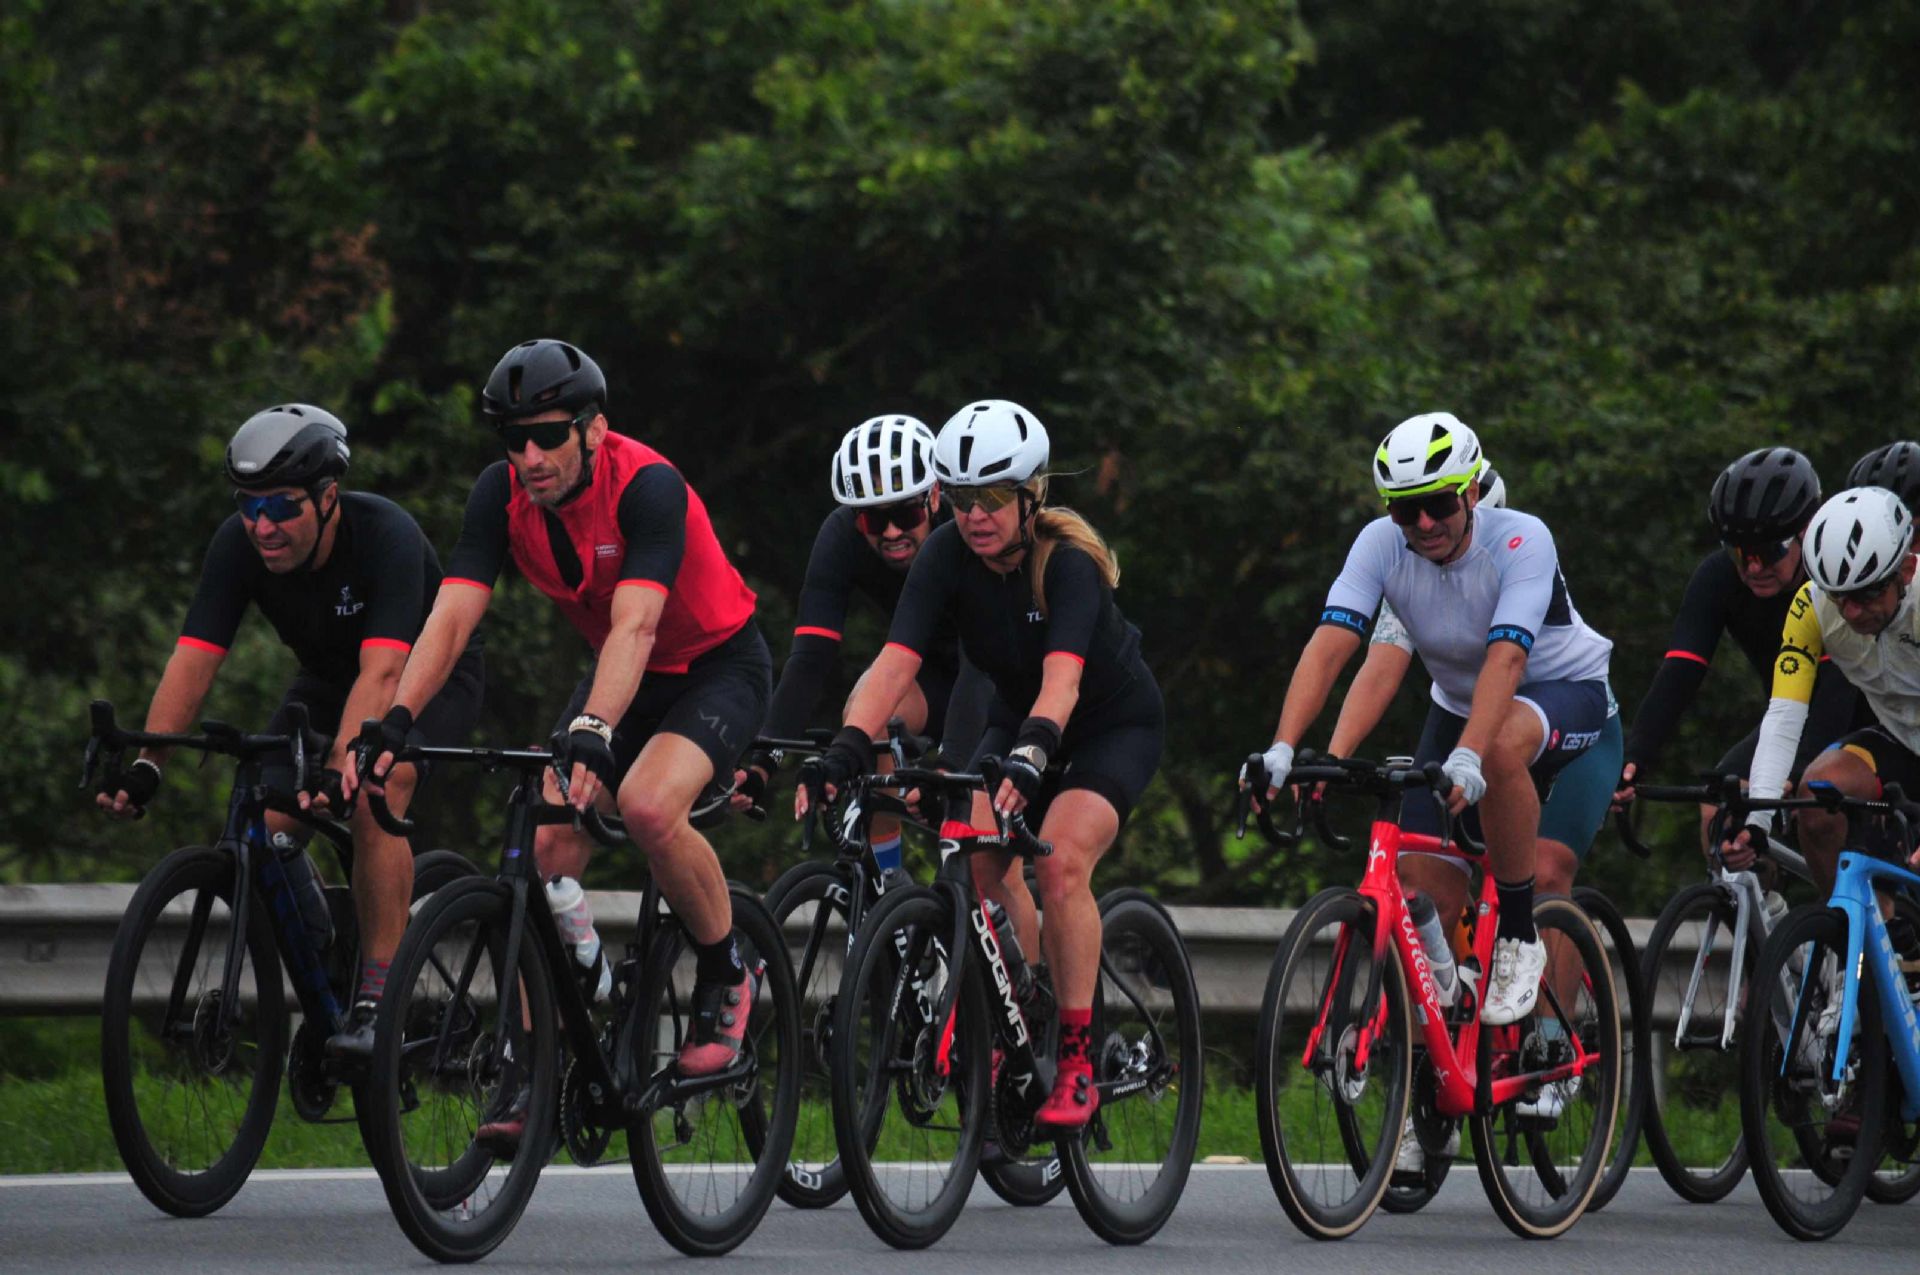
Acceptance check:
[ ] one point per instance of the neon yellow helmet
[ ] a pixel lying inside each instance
(1432, 452)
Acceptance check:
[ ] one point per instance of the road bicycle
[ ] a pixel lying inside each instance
(194, 1030)
(1353, 1037)
(1838, 1084)
(484, 998)
(823, 903)
(942, 1041)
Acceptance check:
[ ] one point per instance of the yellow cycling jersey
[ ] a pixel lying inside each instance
(1884, 667)
(1801, 646)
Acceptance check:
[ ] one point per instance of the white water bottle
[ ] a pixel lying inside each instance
(1433, 938)
(575, 922)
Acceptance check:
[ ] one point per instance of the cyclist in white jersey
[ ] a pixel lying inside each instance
(1482, 598)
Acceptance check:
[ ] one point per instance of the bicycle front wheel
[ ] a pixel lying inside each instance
(1814, 1141)
(1333, 1066)
(450, 1056)
(810, 905)
(1631, 989)
(911, 1085)
(191, 1079)
(1126, 1170)
(1691, 1116)
(708, 1163)
(1541, 1154)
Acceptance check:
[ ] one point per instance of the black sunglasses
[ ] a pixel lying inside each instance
(1439, 506)
(1864, 596)
(280, 507)
(547, 435)
(906, 515)
(1766, 553)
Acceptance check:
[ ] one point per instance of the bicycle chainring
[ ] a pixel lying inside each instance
(1432, 1128)
(308, 1085)
(1014, 1108)
(585, 1141)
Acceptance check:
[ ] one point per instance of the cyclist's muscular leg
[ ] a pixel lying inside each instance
(1510, 812)
(560, 849)
(655, 799)
(383, 871)
(1823, 834)
(1445, 881)
(1081, 825)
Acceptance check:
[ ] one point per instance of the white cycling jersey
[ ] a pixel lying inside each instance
(1506, 587)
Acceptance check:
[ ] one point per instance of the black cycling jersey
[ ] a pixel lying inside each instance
(652, 518)
(1717, 602)
(843, 563)
(375, 588)
(1002, 632)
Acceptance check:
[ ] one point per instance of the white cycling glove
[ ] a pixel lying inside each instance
(1278, 760)
(1463, 768)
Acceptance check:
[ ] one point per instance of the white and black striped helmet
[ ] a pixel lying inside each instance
(990, 441)
(1858, 539)
(882, 461)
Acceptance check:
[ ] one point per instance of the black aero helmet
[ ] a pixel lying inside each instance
(1767, 494)
(1895, 466)
(542, 376)
(293, 445)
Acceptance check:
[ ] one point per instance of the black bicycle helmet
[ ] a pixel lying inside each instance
(1767, 494)
(293, 445)
(1895, 466)
(542, 376)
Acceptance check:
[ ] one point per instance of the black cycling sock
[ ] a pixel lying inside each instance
(1076, 1034)
(1516, 910)
(718, 962)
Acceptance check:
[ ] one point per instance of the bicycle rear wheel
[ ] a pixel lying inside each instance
(1333, 1066)
(1691, 1117)
(1541, 1169)
(911, 1090)
(1814, 1142)
(708, 1165)
(1631, 989)
(439, 1073)
(809, 903)
(190, 1096)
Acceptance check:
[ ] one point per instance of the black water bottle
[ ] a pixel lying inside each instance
(1018, 974)
(308, 894)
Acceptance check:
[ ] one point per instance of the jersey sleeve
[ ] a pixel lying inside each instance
(1529, 571)
(395, 551)
(1362, 583)
(1388, 631)
(928, 594)
(220, 600)
(1690, 648)
(481, 550)
(828, 587)
(653, 522)
(815, 655)
(1075, 591)
(1795, 670)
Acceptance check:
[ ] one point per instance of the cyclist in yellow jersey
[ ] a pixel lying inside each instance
(1859, 610)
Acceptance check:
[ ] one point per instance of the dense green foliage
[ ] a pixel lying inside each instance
(1218, 245)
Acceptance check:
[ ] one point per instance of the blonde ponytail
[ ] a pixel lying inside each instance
(1063, 526)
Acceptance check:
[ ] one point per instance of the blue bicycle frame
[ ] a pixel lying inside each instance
(1853, 894)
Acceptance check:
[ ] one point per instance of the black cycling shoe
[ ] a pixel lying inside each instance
(355, 1040)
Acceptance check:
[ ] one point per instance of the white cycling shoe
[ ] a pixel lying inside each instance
(1554, 1098)
(1514, 985)
(1412, 1157)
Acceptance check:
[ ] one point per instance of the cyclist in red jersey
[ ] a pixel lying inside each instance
(607, 528)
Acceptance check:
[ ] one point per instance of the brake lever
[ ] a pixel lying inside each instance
(1253, 775)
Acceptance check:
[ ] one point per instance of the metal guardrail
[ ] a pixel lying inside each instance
(55, 941)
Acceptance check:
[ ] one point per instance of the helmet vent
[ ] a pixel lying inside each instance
(966, 453)
(1021, 421)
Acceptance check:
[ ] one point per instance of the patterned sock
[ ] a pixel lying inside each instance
(718, 962)
(1516, 910)
(886, 854)
(1076, 1033)
(373, 980)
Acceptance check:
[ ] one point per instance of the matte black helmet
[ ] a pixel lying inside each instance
(1767, 494)
(293, 445)
(542, 376)
(1895, 466)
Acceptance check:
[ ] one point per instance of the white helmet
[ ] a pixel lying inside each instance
(884, 460)
(990, 441)
(1424, 454)
(1493, 488)
(1858, 538)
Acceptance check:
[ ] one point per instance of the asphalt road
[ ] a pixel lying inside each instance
(295, 1222)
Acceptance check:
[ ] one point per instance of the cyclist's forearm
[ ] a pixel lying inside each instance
(183, 689)
(441, 643)
(1373, 689)
(618, 672)
(369, 697)
(882, 686)
(1326, 654)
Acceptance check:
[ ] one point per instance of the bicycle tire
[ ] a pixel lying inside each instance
(1631, 991)
(1304, 1153)
(1567, 1153)
(1028, 1183)
(1772, 1093)
(1898, 1182)
(1690, 1083)
(813, 1177)
(887, 1089)
(1143, 958)
(433, 1078)
(181, 1179)
(751, 1122)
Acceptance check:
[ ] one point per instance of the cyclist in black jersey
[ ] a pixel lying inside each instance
(882, 479)
(1759, 506)
(346, 579)
(1030, 590)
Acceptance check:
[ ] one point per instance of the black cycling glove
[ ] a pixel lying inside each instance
(757, 784)
(139, 781)
(588, 749)
(328, 786)
(849, 756)
(388, 735)
(1035, 745)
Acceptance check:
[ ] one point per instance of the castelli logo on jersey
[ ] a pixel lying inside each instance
(1516, 542)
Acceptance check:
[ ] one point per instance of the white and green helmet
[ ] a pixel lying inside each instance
(1427, 453)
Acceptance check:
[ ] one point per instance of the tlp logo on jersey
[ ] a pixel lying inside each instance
(1034, 617)
(348, 604)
